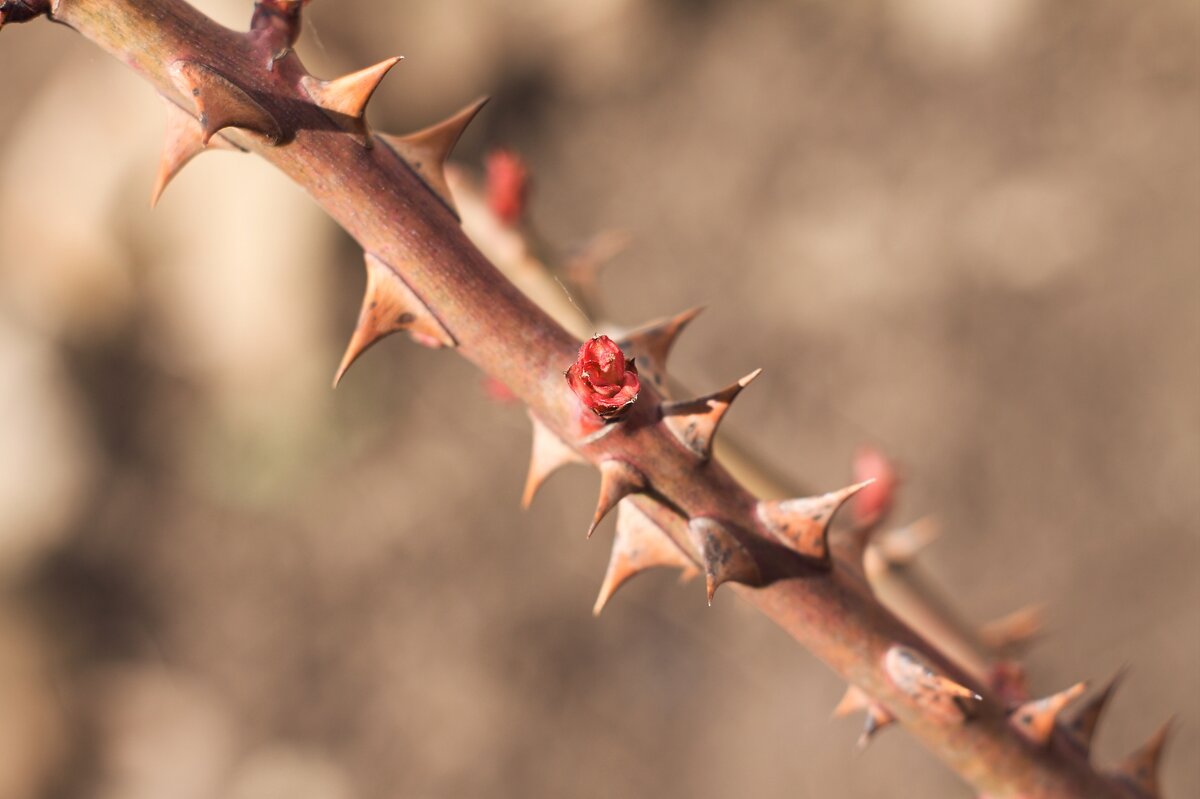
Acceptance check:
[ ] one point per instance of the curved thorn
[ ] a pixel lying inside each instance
(937, 695)
(803, 524)
(389, 305)
(344, 99)
(184, 140)
(549, 453)
(724, 557)
(426, 151)
(640, 544)
(854, 700)
(695, 422)
(652, 343)
(1036, 720)
(899, 546)
(1083, 724)
(618, 480)
(878, 718)
(1014, 631)
(1140, 769)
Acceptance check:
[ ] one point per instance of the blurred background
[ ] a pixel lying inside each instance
(965, 233)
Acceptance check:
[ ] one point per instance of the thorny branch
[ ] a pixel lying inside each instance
(677, 504)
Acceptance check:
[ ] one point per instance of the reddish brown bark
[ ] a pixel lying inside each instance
(387, 205)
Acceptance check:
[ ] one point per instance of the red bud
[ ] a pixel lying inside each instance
(507, 186)
(873, 502)
(603, 380)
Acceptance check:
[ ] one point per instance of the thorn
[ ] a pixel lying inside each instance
(695, 422)
(899, 546)
(878, 718)
(937, 694)
(640, 545)
(13, 11)
(803, 524)
(1140, 769)
(1083, 724)
(220, 104)
(724, 557)
(652, 343)
(549, 453)
(426, 151)
(388, 306)
(344, 99)
(1035, 720)
(617, 480)
(1014, 632)
(184, 141)
(585, 265)
(854, 700)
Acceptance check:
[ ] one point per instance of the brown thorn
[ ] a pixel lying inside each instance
(878, 718)
(854, 700)
(1036, 720)
(1015, 631)
(936, 694)
(1140, 769)
(652, 343)
(184, 140)
(724, 557)
(584, 266)
(618, 480)
(426, 151)
(640, 544)
(221, 104)
(549, 453)
(389, 305)
(899, 546)
(695, 422)
(1083, 724)
(344, 99)
(13, 11)
(803, 524)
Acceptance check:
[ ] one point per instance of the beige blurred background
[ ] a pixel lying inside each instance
(964, 232)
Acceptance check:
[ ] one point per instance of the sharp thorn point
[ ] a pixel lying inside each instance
(724, 557)
(427, 150)
(1036, 720)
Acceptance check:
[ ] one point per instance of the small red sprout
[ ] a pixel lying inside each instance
(507, 186)
(603, 380)
(874, 502)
